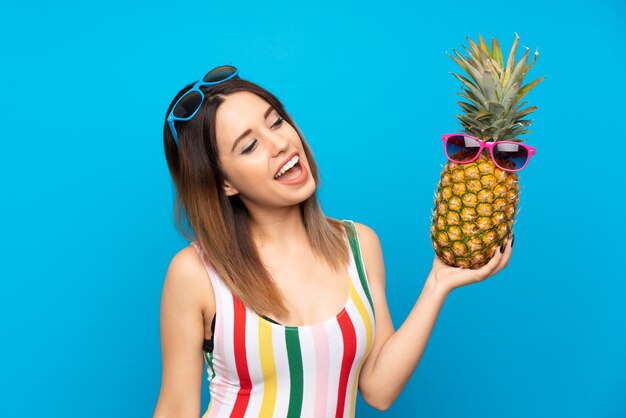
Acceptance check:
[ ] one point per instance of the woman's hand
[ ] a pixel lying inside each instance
(449, 278)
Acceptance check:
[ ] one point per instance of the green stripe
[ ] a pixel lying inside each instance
(352, 235)
(209, 360)
(294, 354)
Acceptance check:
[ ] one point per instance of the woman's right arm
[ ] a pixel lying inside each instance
(182, 336)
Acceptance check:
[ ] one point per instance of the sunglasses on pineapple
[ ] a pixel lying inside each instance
(507, 155)
(189, 103)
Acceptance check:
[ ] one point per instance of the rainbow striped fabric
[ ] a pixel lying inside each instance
(262, 369)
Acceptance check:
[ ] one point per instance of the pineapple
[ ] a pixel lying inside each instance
(475, 203)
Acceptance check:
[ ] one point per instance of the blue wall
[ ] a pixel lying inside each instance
(87, 230)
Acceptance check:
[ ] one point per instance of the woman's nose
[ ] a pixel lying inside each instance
(278, 142)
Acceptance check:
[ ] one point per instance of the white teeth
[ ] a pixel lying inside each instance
(287, 166)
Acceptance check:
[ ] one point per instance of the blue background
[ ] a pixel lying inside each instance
(87, 228)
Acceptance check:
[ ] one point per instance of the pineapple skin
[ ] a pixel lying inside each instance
(475, 208)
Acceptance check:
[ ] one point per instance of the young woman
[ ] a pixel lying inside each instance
(286, 306)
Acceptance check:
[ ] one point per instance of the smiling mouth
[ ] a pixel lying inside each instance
(290, 174)
(288, 166)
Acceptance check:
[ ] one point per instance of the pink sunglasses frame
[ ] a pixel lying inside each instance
(444, 138)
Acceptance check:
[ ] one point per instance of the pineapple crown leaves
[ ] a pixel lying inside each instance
(494, 91)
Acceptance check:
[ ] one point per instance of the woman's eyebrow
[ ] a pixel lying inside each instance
(247, 131)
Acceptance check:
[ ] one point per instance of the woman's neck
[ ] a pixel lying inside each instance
(282, 228)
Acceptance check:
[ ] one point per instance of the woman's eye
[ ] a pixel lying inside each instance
(278, 122)
(247, 150)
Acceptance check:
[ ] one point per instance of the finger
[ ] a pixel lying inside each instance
(488, 269)
(508, 250)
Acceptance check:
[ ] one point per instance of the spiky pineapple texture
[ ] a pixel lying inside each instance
(476, 203)
(474, 212)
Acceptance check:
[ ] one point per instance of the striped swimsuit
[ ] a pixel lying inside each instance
(259, 368)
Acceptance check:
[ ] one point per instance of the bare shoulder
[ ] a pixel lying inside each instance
(371, 251)
(372, 257)
(367, 235)
(188, 279)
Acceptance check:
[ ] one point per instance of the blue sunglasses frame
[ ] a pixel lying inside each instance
(196, 88)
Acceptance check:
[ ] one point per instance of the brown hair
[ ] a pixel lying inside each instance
(220, 222)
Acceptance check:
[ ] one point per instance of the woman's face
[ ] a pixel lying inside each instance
(254, 142)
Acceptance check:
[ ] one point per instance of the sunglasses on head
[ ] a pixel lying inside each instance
(507, 155)
(189, 103)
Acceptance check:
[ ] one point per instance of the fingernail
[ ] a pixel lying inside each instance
(512, 242)
(502, 248)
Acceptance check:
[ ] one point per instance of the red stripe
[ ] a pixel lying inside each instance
(349, 350)
(245, 385)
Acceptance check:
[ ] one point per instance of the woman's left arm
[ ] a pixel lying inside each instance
(395, 354)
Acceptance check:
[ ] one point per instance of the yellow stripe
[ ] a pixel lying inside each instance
(268, 368)
(206, 414)
(360, 306)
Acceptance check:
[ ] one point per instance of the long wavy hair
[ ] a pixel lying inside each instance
(218, 222)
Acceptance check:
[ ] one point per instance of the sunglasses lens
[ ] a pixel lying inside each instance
(510, 155)
(188, 105)
(219, 74)
(462, 148)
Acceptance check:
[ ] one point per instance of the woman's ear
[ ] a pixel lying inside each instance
(229, 189)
